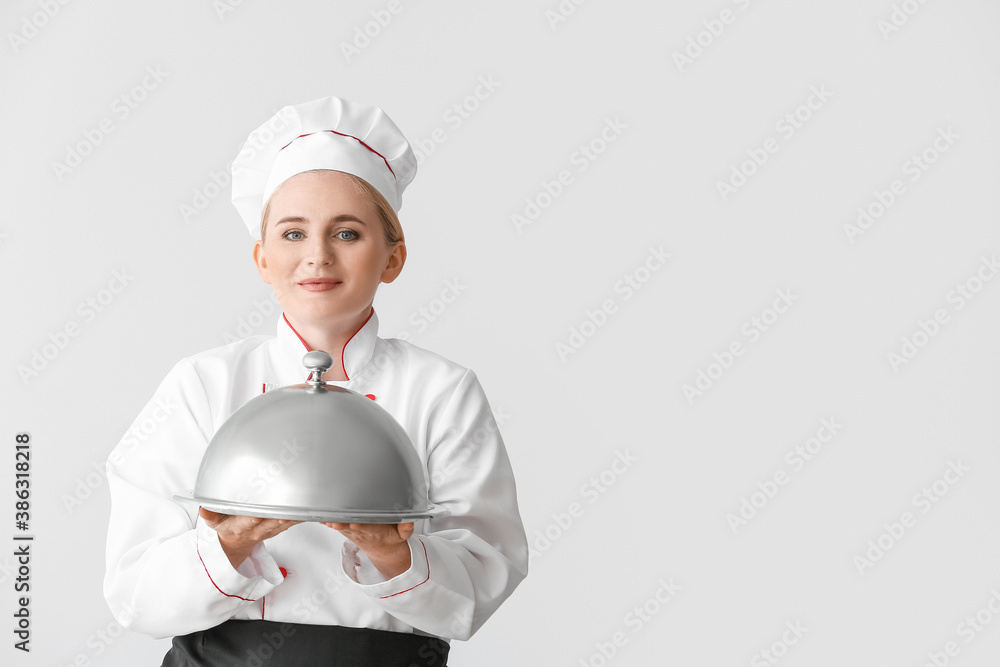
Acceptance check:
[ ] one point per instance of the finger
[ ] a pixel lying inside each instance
(404, 530)
(269, 527)
(212, 518)
(370, 530)
(208, 515)
(252, 526)
(248, 523)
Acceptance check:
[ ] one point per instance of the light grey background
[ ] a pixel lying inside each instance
(567, 418)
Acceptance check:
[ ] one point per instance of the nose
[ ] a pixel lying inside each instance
(321, 251)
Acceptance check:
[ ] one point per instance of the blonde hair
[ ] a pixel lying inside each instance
(391, 228)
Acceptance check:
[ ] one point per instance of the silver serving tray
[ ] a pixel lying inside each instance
(312, 514)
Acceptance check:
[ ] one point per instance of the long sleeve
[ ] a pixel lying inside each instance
(463, 566)
(168, 575)
(166, 571)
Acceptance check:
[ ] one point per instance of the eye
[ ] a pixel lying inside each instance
(292, 235)
(347, 235)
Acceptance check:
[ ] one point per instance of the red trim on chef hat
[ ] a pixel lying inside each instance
(328, 133)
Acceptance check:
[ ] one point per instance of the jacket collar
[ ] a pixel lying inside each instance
(353, 358)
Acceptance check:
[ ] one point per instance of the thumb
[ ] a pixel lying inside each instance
(210, 517)
(404, 530)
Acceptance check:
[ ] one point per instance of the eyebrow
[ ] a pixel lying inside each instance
(343, 217)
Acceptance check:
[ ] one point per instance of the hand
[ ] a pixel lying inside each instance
(238, 535)
(383, 543)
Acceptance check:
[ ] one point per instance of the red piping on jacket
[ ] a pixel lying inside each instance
(342, 350)
(349, 136)
(263, 600)
(384, 597)
(302, 340)
(213, 580)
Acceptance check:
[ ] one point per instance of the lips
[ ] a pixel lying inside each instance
(318, 284)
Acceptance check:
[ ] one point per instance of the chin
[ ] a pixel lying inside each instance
(325, 312)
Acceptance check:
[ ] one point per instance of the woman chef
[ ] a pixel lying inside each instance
(319, 184)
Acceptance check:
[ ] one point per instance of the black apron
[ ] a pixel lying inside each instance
(273, 644)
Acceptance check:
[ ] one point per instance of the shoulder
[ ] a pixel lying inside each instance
(432, 380)
(218, 363)
(421, 361)
(234, 350)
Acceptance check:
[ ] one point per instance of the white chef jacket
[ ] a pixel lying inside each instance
(168, 575)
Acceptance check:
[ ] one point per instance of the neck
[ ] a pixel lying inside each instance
(331, 338)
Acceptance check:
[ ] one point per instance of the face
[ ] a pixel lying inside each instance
(324, 252)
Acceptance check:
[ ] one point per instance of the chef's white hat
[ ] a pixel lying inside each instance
(329, 133)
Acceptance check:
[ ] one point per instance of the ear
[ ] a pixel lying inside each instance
(261, 261)
(394, 264)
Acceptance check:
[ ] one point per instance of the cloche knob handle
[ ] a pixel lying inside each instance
(318, 362)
